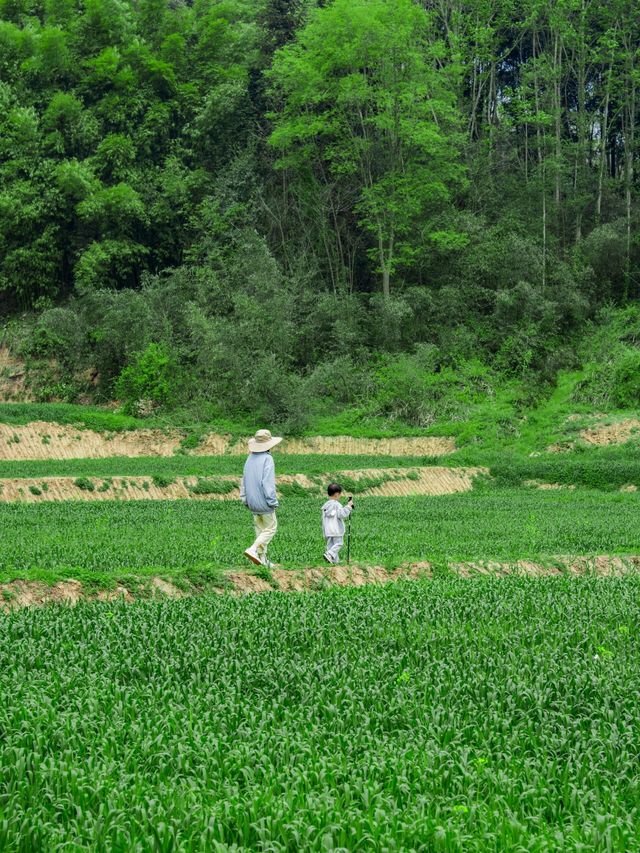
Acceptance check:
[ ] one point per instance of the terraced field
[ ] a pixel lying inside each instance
(473, 695)
(115, 522)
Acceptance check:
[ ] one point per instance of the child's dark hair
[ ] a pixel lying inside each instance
(334, 489)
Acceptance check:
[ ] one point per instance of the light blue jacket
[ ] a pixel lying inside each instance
(258, 489)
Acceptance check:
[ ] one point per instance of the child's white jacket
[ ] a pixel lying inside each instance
(333, 515)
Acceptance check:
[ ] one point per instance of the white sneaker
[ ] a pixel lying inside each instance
(327, 557)
(252, 555)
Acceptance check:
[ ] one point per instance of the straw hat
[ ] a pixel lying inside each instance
(263, 440)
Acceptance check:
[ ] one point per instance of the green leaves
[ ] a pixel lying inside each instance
(484, 525)
(361, 82)
(447, 715)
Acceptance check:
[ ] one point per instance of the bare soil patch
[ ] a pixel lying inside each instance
(430, 480)
(607, 434)
(600, 434)
(44, 440)
(25, 593)
(537, 484)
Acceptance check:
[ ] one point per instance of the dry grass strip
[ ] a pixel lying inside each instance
(44, 440)
(426, 481)
(345, 445)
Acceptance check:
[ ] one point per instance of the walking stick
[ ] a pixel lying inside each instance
(349, 536)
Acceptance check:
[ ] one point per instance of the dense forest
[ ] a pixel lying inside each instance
(286, 206)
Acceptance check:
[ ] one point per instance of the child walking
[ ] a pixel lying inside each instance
(333, 516)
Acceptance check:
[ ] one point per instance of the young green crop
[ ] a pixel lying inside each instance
(124, 537)
(444, 716)
(201, 466)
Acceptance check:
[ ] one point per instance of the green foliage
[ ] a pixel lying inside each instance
(548, 657)
(151, 377)
(85, 484)
(488, 524)
(212, 486)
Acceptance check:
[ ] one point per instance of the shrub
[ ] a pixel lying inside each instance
(417, 389)
(150, 377)
(626, 379)
(85, 484)
(162, 480)
(59, 334)
(213, 486)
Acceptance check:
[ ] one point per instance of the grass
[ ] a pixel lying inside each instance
(448, 715)
(201, 466)
(88, 417)
(115, 537)
(212, 486)
(196, 420)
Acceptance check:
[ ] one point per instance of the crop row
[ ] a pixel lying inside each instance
(200, 466)
(446, 716)
(171, 535)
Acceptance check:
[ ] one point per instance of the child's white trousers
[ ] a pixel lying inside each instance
(334, 543)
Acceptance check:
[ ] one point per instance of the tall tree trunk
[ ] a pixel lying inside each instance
(541, 160)
(629, 149)
(386, 289)
(557, 75)
(581, 154)
(604, 129)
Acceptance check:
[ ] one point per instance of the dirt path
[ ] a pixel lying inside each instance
(25, 593)
(398, 482)
(44, 440)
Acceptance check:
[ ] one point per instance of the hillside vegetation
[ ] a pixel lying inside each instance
(410, 213)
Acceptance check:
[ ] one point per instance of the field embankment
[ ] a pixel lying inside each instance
(383, 482)
(26, 593)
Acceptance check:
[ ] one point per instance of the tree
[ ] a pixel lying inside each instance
(364, 100)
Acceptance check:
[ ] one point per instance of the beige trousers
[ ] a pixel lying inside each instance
(266, 526)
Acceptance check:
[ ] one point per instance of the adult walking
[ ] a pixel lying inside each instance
(258, 493)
